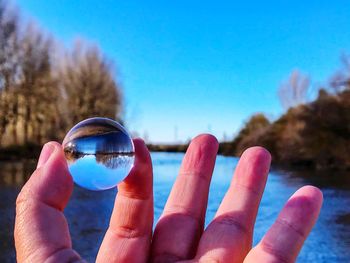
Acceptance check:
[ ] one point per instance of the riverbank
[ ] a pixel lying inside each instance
(229, 149)
(16, 152)
(225, 148)
(32, 151)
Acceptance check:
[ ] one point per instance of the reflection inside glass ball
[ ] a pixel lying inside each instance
(99, 152)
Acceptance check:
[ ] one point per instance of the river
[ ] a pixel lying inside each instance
(88, 212)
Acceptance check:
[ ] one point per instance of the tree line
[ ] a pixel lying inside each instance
(312, 132)
(45, 88)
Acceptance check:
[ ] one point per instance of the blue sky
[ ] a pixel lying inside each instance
(189, 67)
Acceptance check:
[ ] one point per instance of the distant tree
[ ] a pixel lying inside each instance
(38, 89)
(315, 134)
(340, 81)
(294, 91)
(325, 137)
(250, 134)
(8, 68)
(90, 88)
(41, 95)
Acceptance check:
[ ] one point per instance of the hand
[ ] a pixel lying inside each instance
(42, 235)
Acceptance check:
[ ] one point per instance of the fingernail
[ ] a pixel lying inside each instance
(45, 154)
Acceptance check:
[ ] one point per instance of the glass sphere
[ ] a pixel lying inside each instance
(99, 152)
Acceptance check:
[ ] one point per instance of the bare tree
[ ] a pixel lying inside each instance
(8, 68)
(89, 85)
(28, 94)
(294, 91)
(38, 91)
(341, 80)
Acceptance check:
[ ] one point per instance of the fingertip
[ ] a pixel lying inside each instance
(206, 139)
(253, 167)
(45, 154)
(57, 156)
(141, 151)
(203, 145)
(139, 182)
(309, 197)
(51, 182)
(312, 191)
(54, 144)
(138, 140)
(55, 183)
(257, 153)
(201, 154)
(206, 136)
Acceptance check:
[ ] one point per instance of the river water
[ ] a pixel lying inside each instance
(88, 212)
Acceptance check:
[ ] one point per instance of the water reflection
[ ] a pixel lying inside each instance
(88, 212)
(331, 236)
(12, 176)
(15, 174)
(330, 179)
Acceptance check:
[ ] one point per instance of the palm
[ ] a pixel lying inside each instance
(41, 232)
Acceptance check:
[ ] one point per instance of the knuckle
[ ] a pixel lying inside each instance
(21, 198)
(274, 252)
(291, 227)
(127, 232)
(233, 223)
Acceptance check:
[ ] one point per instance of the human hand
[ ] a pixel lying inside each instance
(42, 235)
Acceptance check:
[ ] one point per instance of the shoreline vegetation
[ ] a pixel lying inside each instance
(46, 88)
(314, 135)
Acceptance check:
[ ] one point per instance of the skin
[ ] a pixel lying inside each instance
(42, 234)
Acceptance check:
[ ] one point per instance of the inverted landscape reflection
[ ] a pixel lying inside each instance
(99, 153)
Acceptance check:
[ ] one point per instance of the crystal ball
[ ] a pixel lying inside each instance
(99, 152)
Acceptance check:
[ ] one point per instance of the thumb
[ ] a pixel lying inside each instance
(41, 230)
